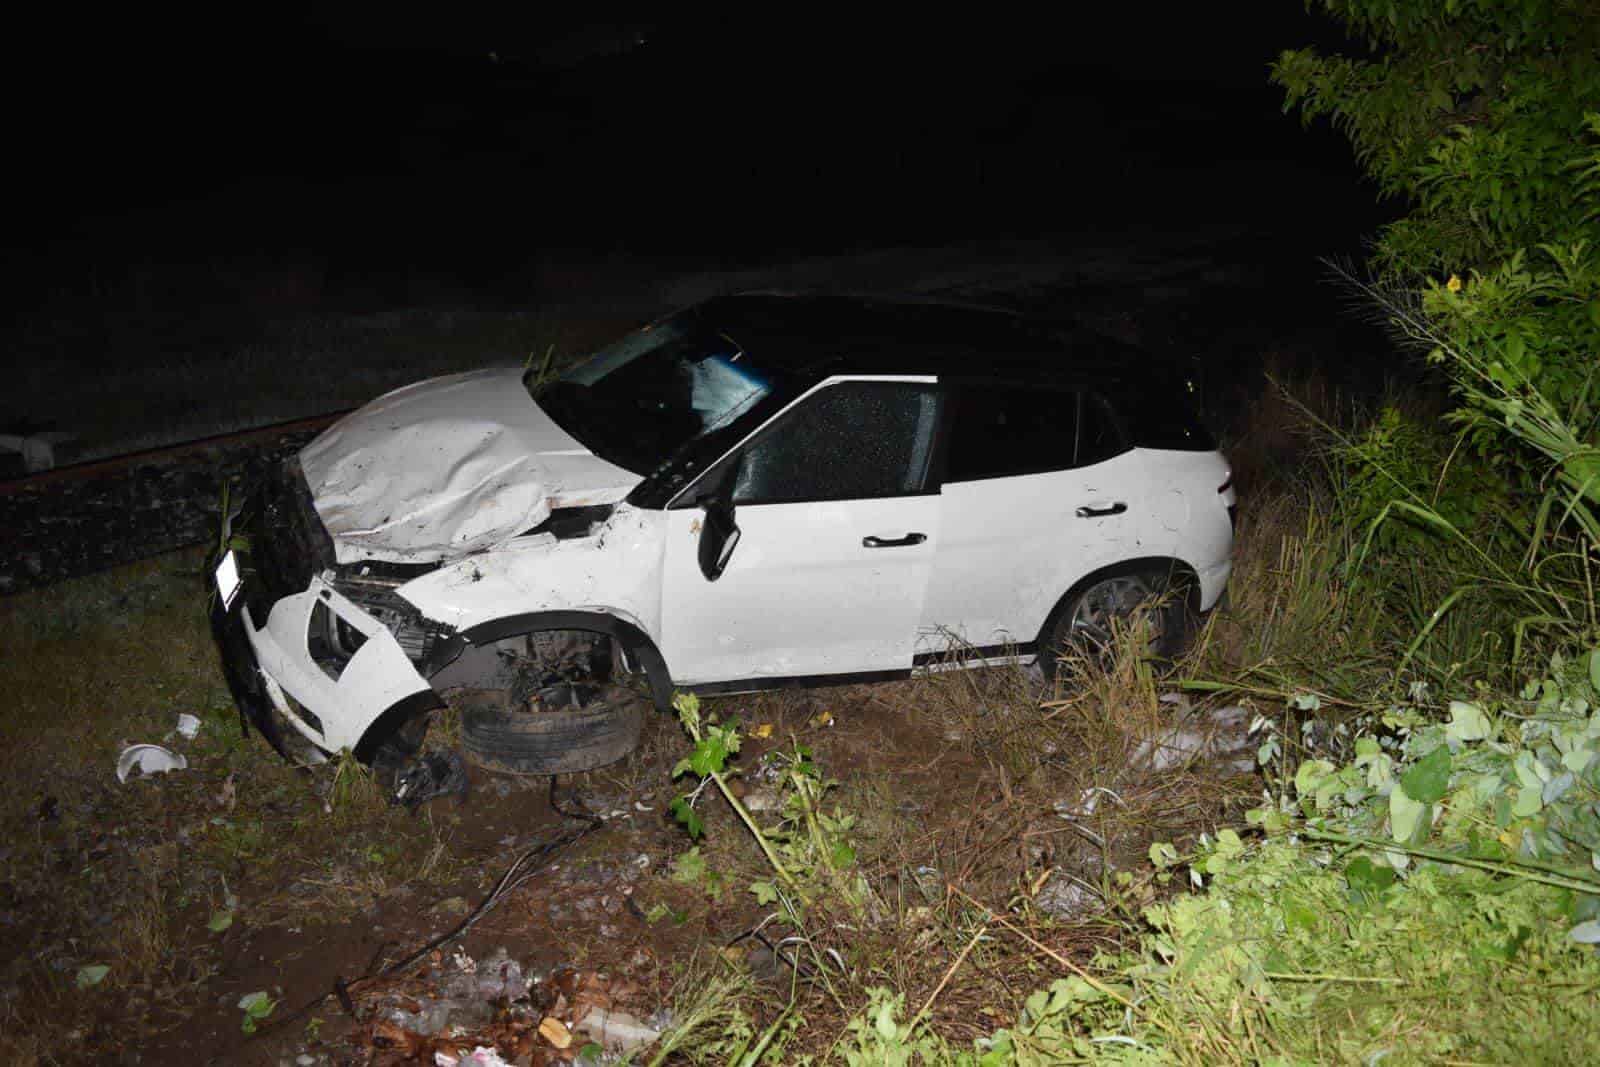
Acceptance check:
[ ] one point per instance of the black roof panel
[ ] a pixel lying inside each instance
(818, 336)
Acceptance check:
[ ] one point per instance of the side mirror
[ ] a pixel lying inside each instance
(719, 536)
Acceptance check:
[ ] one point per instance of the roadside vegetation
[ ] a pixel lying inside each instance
(1414, 628)
(1358, 823)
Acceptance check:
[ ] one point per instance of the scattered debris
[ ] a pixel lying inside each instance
(148, 759)
(431, 775)
(555, 1031)
(616, 1030)
(188, 726)
(1064, 897)
(481, 1056)
(1218, 735)
(762, 799)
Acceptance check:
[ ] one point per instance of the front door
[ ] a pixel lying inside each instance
(838, 524)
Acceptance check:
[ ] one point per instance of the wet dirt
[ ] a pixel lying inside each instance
(935, 803)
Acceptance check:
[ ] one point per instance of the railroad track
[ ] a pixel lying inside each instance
(83, 518)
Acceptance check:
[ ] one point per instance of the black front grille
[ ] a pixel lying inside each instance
(287, 542)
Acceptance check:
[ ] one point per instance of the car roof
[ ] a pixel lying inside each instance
(816, 336)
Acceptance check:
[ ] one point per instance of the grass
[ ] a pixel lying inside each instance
(129, 875)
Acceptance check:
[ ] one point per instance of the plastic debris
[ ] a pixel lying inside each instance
(1065, 898)
(433, 774)
(482, 1056)
(616, 1030)
(188, 726)
(148, 759)
(555, 1031)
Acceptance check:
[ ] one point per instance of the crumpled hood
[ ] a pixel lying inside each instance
(449, 466)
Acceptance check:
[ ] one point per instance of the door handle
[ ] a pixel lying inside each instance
(893, 542)
(1089, 511)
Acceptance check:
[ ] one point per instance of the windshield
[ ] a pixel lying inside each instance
(641, 400)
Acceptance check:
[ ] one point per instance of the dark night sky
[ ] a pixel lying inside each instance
(365, 141)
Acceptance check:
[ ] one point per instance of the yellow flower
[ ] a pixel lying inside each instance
(764, 730)
(1454, 284)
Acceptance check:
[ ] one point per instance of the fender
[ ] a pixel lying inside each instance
(635, 640)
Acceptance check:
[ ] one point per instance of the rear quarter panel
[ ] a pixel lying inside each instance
(1192, 514)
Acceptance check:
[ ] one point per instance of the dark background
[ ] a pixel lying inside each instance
(367, 149)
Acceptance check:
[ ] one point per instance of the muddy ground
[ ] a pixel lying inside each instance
(239, 875)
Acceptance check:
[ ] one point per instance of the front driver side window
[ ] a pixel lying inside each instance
(851, 441)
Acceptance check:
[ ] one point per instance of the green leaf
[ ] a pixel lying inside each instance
(1310, 774)
(1556, 788)
(684, 812)
(220, 921)
(1427, 779)
(1594, 657)
(690, 868)
(1408, 817)
(1527, 775)
(843, 855)
(1363, 874)
(256, 1006)
(91, 974)
(1467, 722)
(1529, 801)
(884, 1023)
(765, 892)
(1162, 855)
(711, 752)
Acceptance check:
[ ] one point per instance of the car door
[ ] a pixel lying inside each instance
(1039, 489)
(837, 511)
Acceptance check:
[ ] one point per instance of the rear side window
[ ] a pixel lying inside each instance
(847, 442)
(1005, 431)
(1159, 416)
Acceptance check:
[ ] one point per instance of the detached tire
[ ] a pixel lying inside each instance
(555, 742)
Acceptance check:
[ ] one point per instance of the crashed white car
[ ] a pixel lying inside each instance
(763, 490)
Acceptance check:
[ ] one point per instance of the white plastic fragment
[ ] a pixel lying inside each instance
(148, 759)
(482, 1056)
(188, 726)
(616, 1030)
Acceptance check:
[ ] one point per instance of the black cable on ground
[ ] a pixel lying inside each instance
(524, 867)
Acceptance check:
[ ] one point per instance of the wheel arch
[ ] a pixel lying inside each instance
(633, 638)
(1173, 567)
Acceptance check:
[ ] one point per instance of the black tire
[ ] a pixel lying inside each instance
(1083, 619)
(555, 742)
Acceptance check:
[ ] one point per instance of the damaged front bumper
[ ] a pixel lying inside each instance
(293, 642)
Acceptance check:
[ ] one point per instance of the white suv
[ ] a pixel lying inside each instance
(759, 491)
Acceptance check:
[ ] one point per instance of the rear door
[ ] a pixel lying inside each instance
(838, 512)
(1040, 489)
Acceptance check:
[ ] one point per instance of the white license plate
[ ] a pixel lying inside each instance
(227, 575)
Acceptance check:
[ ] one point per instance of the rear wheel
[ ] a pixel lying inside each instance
(1088, 621)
